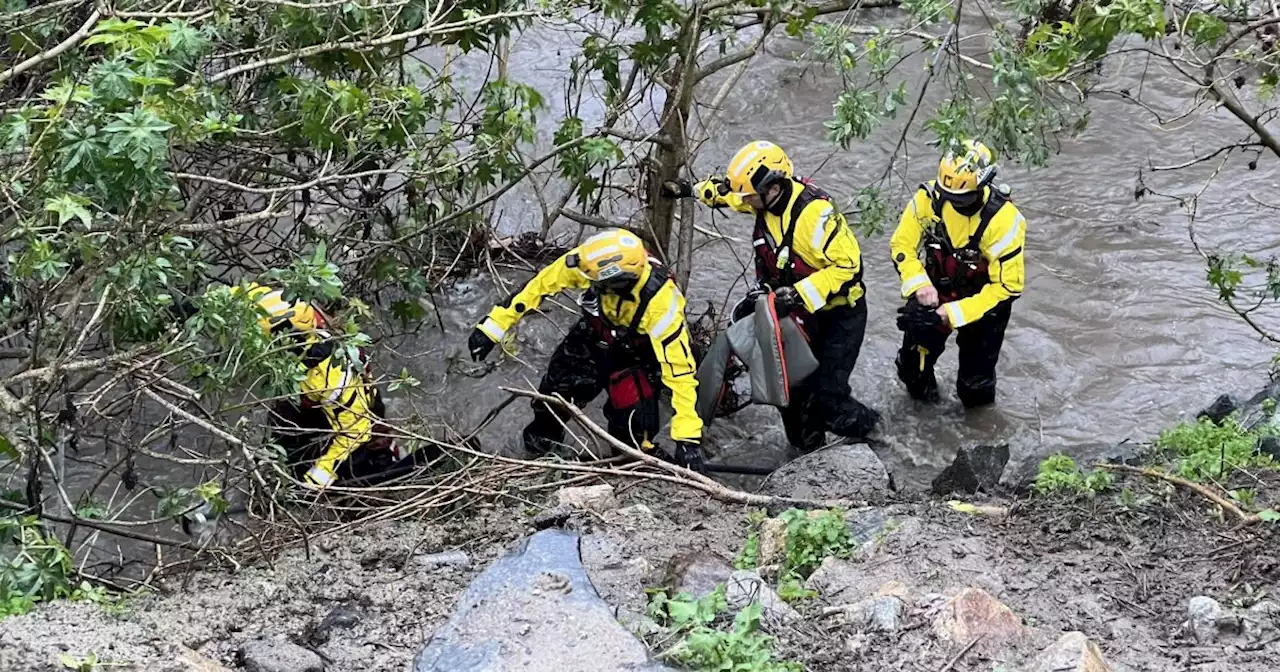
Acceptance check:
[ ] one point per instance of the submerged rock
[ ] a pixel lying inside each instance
(534, 610)
(973, 613)
(1073, 652)
(838, 472)
(266, 655)
(1220, 409)
(976, 468)
(1260, 409)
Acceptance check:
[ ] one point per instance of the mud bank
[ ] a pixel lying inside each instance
(1124, 576)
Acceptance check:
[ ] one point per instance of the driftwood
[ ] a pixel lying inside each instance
(677, 474)
(1203, 491)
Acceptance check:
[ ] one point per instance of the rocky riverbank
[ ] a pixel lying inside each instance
(1093, 572)
(924, 583)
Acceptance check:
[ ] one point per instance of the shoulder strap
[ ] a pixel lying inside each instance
(933, 200)
(995, 201)
(652, 286)
(808, 194)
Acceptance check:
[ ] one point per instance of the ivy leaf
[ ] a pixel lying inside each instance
(68, 206)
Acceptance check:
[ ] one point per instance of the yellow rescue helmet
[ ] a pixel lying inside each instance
(613, 257)
(969, 172)
(756, 166)
(299, 316)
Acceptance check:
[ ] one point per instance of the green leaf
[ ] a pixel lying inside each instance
(1205, 28)
(68, 206)
(1269, 515)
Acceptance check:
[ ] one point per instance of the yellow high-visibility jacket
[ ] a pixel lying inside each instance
(339, 389)
(822, 240)
(342, 392)
(663, 322)
(1002, 246)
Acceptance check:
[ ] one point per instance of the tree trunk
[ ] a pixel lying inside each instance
(670, 158)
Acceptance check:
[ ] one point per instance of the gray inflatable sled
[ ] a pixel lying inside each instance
(774, 351)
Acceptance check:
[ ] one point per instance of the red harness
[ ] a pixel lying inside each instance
(958, 272)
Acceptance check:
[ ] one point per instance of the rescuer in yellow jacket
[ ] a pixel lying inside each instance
(333, 424)
(632, 335)
(959, 249)
(807, 255)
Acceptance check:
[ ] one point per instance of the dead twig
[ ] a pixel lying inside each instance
(1203, 491)
(676, 474)
(952, 663)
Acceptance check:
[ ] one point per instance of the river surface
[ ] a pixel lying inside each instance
(1116, 336)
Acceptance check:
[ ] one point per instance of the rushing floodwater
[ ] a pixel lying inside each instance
(1116, 336)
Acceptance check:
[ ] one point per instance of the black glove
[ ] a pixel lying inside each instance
(689, 456)
(747, 305)
(787, 299)
(676, 189)
(479, 344)
(915, 318)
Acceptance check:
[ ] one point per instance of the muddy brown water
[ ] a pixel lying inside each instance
(1116, 336)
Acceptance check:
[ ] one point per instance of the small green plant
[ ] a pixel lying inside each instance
(1245, 496)
(35, 567)
(749, 556)
(1207, 451)
(1059, 475)
(791, 588)
(701, 646)
(812, 537)
(742, 649)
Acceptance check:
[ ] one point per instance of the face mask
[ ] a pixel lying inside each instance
(966, 203)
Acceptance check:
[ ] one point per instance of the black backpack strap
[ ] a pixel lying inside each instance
(808, 194)
(652, 286)
(995, 201)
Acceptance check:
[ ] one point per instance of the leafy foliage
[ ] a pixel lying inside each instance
(1059, 475)
(813, 538)
(741, 647)
(1204, 451)
(35, 567)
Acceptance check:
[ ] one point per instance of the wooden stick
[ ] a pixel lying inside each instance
(680, 475)
(1203, 491)
(953, 661)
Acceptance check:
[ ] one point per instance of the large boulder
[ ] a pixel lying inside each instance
(838, 472)
(975, 468)
(534, 610)
(1020, 473)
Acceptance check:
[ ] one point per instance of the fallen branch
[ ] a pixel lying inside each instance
(1203, 491)
(677, 474)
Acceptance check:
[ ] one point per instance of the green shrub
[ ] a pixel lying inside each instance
(1059, 475)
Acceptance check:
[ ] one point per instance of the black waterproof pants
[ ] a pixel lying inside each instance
(579, 370)
(979, 343)
(823, 402)
(304, 434)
